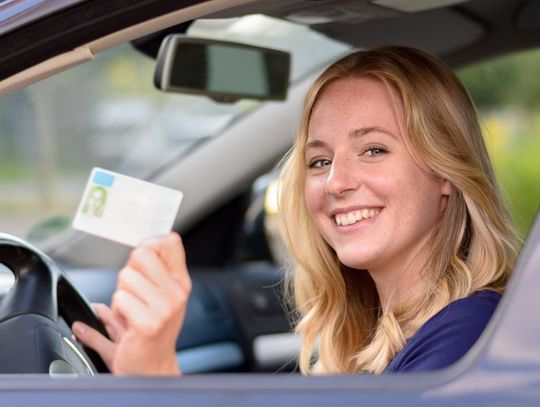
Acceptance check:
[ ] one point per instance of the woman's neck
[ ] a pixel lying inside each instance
(397, 282)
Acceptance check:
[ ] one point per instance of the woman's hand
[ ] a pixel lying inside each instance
(147, 311)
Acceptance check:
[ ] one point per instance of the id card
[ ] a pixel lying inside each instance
(125, 209)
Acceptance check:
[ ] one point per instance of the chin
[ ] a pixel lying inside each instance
(355, 260)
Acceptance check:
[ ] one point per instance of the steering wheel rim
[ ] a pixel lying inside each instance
(41, 293)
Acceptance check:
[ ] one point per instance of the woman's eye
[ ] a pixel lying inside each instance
(319, 163)
(375, 152)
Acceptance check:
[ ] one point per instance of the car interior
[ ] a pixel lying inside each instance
(224, 156)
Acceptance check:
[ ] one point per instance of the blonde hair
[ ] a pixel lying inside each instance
(475, 245)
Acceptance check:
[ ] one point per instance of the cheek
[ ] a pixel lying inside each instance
(424, 199)
(314, 195)
(416, 193)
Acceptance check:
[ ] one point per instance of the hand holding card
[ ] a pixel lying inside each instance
(153, 288)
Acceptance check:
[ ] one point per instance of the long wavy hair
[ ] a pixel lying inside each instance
(339, 317)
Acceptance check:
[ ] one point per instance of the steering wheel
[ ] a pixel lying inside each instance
(30, 333)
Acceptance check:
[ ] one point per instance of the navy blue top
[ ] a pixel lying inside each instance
(446, 336)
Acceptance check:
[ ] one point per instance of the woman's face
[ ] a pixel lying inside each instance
(369, 199)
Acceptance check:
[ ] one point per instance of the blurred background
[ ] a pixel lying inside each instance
(507, 94)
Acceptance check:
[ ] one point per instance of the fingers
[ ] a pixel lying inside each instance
(160, 319)
(93, 339)
(171, 250)
(137, 284)
(169, 247)
(147, 261)
(114, 326)
(156, 272)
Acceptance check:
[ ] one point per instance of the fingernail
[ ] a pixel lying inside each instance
(78, 328)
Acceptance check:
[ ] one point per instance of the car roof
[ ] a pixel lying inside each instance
(485, 27)
(477, 28)
(37, 40)
(15, 14)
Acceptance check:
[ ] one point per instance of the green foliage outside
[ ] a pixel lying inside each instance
(507, 94)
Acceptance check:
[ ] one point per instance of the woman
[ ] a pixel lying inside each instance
(390, 209)
(391, 212)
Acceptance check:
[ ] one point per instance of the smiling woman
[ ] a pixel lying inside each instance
(392, 214)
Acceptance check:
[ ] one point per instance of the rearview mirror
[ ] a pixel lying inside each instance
(224, 71)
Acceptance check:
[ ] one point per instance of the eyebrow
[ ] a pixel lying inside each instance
(362, 131)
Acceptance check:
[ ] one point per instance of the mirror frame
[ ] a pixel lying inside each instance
(167, 53)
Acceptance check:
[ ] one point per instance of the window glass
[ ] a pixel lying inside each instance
(107, 113)
(507, 93)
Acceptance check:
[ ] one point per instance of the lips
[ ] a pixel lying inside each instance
(352, 217)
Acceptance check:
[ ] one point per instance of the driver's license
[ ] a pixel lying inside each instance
(125, 209)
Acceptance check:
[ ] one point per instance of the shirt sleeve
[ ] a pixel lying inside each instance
(446, 337)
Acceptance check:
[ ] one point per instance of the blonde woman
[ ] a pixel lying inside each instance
(401, 241)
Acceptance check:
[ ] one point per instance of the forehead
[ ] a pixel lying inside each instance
(354, 102)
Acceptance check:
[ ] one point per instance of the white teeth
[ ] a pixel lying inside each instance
(346, 219)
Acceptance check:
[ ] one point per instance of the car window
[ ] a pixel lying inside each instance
(107, 113)
(508, 99)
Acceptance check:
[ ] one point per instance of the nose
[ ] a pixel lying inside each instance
(341, 177)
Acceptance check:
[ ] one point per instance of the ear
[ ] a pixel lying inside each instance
(446, 190)
(446, 187)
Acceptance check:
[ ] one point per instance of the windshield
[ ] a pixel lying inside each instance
(108, 114)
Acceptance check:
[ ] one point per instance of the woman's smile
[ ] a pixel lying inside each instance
(351, 217)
